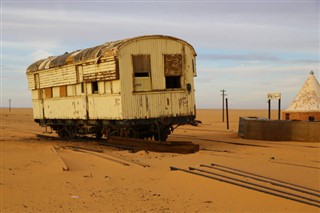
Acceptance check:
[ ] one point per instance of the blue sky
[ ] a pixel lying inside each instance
(249, 48)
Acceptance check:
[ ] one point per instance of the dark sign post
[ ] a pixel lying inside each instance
(227, 113)
(223, 94)
(274, 96)
(269, 108)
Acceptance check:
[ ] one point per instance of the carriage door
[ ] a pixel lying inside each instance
(40, 95)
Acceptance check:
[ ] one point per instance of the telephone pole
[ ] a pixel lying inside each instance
(223, 95)
(9, 105)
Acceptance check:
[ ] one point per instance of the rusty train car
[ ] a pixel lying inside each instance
(141, 87)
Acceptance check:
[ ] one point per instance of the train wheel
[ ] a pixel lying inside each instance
(62, 133)
(98, 133)
(162, 136)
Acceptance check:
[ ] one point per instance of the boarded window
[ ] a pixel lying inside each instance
(94, 87)
(287, 116)
(173, 70)
(141, 65)
(48, 92)
(63, 91)
(173, 65)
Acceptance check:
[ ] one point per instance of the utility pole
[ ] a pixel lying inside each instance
(227, 113)
(223, 95)
(9, 105)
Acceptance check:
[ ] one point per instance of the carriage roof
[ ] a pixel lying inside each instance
(93, 53)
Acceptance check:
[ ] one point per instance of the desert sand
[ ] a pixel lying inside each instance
(32, 178)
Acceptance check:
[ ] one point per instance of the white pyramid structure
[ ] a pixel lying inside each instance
(308, 98)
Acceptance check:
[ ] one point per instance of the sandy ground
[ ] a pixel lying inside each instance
(32, 179)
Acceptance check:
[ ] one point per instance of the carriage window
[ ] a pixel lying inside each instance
(141, 65)
(94, 86)
(63, 91)
(48, 92)
(173, 70)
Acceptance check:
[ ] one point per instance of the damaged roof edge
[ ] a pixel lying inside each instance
(80, 56)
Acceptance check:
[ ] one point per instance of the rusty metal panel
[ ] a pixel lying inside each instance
(173, 64)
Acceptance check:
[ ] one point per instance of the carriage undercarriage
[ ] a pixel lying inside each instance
(158, 129)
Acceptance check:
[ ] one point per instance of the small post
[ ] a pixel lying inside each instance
(269, 108)
(227, 113)
(9, 105)
(279, 108)
(223, 94)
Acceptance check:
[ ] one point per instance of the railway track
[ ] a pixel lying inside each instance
(183, 147)
(256, 182)
(108, 156)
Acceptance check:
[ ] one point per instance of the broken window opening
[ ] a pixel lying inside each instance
(173, 82)
(141, 65)
(94, 87)
(82, 87)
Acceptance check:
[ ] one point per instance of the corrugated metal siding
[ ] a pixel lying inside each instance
(155, 104)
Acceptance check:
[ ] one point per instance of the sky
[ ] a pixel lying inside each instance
(248, 48)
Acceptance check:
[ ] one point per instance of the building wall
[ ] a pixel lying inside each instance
(279, 130)
(300, 116)
(158, 101)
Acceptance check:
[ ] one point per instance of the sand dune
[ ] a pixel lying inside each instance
(32, 178)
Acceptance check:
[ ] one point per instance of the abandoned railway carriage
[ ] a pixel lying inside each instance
(139, 87)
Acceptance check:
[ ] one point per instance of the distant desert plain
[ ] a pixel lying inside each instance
(34, 177)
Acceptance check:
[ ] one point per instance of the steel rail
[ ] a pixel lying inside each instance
(246, 186)
(302, 187)
(63, 163)
(263, 179)
(101, 152)
(95, 154)
(257, 185)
